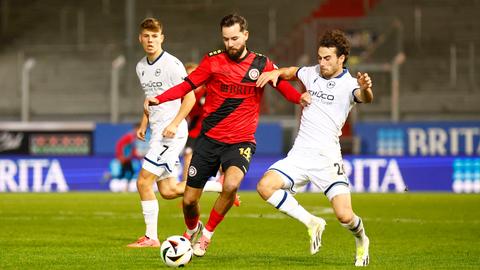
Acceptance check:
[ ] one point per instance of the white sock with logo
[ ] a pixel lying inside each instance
(287, 204)
(150, 215)
(356, 227)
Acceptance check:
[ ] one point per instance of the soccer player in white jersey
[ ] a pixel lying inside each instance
(316, 156)
(158, 71)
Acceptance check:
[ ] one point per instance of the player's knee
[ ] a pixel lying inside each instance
(264, 189)
(268, 185)
(189, 202)
(345, 215)
(168, 194)
(230, 188)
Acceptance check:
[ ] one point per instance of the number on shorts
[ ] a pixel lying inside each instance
(166, 147)
(340, 170)
(246, 152)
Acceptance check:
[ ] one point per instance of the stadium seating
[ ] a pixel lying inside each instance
(74, 69)
(427, 92)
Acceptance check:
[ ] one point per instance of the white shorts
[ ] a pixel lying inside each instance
(324, 171)
(162, 157)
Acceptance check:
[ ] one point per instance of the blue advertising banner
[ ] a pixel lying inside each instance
(420, 138)
(366, 174)
(60, 174)
(269, 137)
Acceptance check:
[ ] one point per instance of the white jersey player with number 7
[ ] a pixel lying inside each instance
(158, 71)
(316, 156)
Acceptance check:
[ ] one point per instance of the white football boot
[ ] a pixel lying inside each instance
(361, 255)
(315, 230)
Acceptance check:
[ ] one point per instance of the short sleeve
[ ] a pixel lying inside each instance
(137, 70)
(302, 74)
(179, 73)
(354, 86)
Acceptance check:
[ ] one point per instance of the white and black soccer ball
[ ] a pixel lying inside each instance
(176, 251)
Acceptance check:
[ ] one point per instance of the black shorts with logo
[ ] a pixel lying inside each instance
(209, 154)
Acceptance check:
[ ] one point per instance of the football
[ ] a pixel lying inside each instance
(176, 251)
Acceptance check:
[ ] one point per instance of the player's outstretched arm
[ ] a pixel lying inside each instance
(272, 76)
(185, 108)
(364, 93)
(173, 93)
(292, 95)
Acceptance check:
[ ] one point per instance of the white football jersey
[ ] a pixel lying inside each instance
(322, 121)
(155, 78)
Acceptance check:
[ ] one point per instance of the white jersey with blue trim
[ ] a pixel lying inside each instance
(155, 78)
(322, 121)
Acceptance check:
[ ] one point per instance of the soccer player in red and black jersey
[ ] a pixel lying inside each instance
(231, 111)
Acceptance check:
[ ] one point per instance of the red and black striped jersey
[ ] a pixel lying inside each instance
(232, 104)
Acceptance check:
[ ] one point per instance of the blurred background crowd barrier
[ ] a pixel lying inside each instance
(69, 89)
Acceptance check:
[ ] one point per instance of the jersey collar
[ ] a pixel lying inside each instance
(345, 71)
(154, 61)
(239, 60)
(341, 74)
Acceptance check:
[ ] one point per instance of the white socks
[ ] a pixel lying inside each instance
(356, 227)
(285, 202)
(190, 232)
(207, 233)
(150, 214)
(213, 186)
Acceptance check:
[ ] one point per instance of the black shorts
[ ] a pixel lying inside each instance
(189, 145)
(209, 154)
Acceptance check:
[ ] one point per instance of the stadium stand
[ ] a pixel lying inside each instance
(430, 33)
(75, 42)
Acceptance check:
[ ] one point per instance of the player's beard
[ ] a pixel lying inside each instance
(235, 54)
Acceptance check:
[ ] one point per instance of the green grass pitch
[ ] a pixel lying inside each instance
(90, 231)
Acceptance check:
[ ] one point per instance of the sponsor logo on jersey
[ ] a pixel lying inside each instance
(237, 89)
(158, 72)
(326, 98)
(152, 84)
(253, 74)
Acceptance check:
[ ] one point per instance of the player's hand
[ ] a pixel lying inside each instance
(170, 131)
(270, 76)
(364, 81)
(305, 99)
(151, 101)
(141, 133)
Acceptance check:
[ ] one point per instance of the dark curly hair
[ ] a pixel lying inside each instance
(232, 19)
(336, 38)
